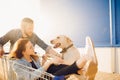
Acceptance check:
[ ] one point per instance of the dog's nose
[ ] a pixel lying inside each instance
(51, 41)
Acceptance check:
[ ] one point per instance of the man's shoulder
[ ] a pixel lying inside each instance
(15, 31)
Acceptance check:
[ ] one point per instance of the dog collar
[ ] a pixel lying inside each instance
(65, 49)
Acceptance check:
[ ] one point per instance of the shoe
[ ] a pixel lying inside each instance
(89, 50)
(90, 70)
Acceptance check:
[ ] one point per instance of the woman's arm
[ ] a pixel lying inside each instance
(47, 64)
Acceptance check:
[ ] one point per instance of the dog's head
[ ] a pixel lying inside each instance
(61, 41)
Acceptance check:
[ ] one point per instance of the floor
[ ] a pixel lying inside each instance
(99, 76)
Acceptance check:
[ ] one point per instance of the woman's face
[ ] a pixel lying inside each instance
(29, 49)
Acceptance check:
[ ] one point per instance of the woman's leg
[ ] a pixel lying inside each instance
(62, 69)
(67, 70)
(54, 68)
(70, 69)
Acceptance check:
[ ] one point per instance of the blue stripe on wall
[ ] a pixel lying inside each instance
(117, 18)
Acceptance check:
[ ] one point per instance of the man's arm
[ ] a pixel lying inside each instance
(4, 39)
(51, 51)
(39, 42)
(45, 47)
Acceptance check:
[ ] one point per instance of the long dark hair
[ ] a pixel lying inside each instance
(18, 48)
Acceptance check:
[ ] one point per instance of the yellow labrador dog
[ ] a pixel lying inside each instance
(69, 52)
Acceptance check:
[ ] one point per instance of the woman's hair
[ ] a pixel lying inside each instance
(18, 48)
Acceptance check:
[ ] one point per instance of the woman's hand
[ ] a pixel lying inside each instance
(44, 58)
(52, 58)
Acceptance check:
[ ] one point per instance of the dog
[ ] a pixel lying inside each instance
(69, 52)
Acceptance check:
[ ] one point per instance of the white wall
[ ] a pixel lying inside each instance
(105, 59)
(12, 11)
(117, 60)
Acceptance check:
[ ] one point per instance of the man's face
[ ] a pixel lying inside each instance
(28, 29)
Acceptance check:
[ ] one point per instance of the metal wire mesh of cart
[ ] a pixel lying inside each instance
(12, 70)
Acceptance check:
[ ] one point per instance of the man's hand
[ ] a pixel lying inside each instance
(53, 52)
(1, 51)
(52, 58)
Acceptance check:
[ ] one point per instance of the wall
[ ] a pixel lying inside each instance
(76, 19)
(118, 60)
(13, 11)
(105, 59)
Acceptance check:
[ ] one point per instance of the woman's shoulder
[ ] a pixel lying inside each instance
(20, 61)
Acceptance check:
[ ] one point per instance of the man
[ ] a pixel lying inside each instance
(26, 31)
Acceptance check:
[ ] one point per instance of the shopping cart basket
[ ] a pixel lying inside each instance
(16, 71)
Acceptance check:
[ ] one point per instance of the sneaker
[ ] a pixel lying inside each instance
(91, 69)
(89, 50)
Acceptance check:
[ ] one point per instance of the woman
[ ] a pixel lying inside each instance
(24, 54)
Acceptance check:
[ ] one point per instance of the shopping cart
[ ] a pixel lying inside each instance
(15, 71)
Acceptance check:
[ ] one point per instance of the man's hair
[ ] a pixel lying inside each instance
(26, 19)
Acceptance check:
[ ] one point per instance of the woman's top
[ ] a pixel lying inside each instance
(33, 65)
(25, 71)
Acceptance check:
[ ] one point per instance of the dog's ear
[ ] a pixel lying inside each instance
(68, 40)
